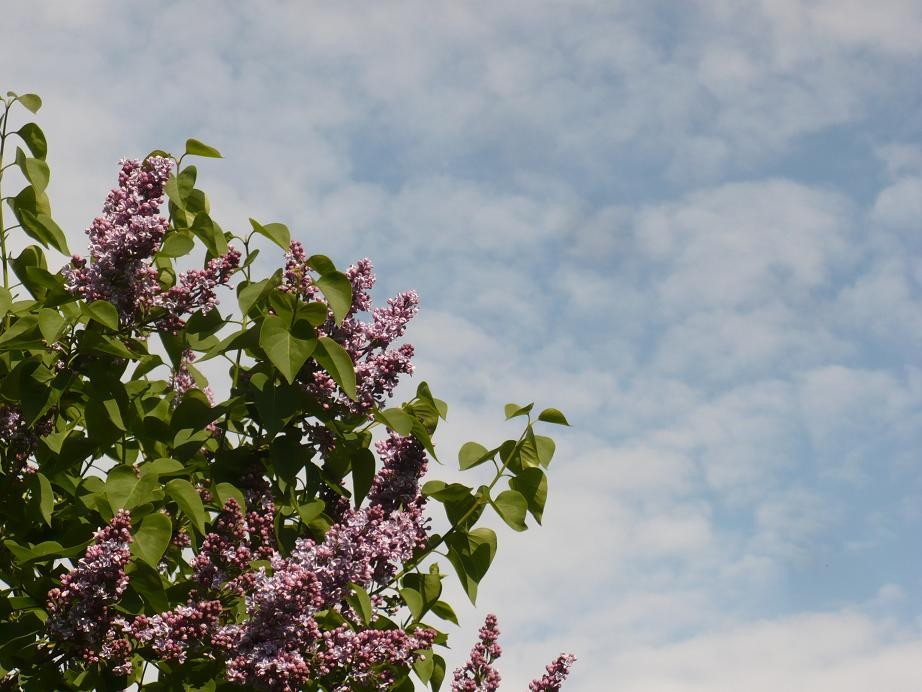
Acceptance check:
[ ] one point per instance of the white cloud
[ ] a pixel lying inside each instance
(900, 205)
(744, 243)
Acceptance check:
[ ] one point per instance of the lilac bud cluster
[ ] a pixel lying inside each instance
(378, 366)
(226, 553)
(478, 673)
(79, 612)
(123, 241)
(557, 672)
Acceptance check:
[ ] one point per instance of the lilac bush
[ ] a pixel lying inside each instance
(281, 538)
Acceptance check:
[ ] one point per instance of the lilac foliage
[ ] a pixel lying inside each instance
(123, 242)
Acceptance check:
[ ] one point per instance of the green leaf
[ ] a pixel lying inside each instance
(205, 229)
(120, 482)
(36, 171)
(152, 538)
(103, 312)
(545, 448)
(197, 148)
(424, 590)
(511, 506)
(338, 291)
(278, 233)
(31, 101)
(396, 419)
(513, 410)
(311, 510)
(50, 323)
(471, 555)
(424, 665)
(45, 497)
(185, 495)
(532, 484)
(41, 227)
(6, 301)
(363, 474)
(471, 454)
(34, 138)
(177, 244)
(250, 294)
(414, 601)
(444, 611)
(20, 329)
(148, 583)
(225, 491)
(321, 264)
(552, 415)
(438, 672)
(286, 351)
(361, 603)
(336, 361)
(162, 467)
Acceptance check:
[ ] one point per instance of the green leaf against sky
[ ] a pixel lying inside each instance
(285, 350)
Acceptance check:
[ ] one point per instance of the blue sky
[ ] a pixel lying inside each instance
(694, 227)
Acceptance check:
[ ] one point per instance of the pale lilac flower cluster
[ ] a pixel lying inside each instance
(195, 290)
(123, 241)
(478, 673)
(378, 367)
(173, 634)
(557, 672)
(79, 611)
(396, 487)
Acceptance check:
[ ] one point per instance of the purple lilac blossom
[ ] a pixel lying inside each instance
(123, 241)
(378, 367)
(478, 674)
(557, 672)
(280, 644)
(79, 612)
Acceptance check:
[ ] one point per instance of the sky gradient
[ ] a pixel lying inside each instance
(694, 227)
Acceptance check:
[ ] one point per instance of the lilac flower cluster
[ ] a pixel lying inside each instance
(378, 367)
(173, 634)
(234, 542)
(19, 440)
(280, 644)
(557, 672)
(478, 673)
(79, 612)
(123, 241)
